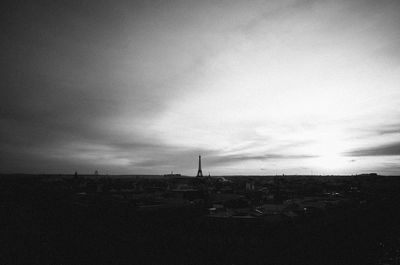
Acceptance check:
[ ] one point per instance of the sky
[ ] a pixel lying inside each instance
(255, 87)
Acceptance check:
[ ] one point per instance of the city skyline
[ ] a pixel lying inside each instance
(254, 87)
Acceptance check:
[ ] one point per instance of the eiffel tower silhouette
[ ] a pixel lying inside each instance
(199, 172)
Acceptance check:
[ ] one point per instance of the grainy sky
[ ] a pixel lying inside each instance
(256, 87)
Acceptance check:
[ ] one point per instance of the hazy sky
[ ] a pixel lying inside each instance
(255, 87)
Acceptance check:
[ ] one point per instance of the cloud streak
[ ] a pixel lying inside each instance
(392, 149)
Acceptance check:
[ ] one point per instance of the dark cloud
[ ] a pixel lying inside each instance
(389, 129)
(61, 68)
(229, 159)
(383, 150)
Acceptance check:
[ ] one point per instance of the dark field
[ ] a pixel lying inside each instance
(43, 222)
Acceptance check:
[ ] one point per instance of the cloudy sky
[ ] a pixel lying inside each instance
(255, 87)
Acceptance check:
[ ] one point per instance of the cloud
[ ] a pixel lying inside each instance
(389, 129)
(383, 150)
(231, 159)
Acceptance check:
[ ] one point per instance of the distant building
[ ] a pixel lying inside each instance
(172, 175)
(250, 186)
(369, 174)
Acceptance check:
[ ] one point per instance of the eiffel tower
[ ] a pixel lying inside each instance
(199, 172)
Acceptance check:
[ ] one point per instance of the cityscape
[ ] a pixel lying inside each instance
(176, 219)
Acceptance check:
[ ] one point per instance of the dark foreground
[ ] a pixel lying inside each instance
(42, 224)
